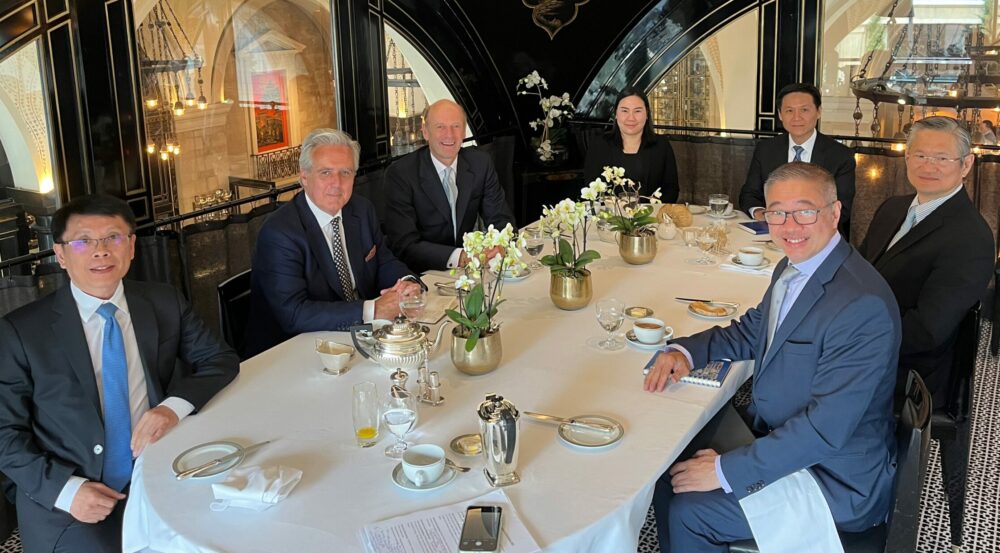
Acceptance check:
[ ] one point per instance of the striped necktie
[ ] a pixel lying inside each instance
(798, 152)
(117, 414)
(908, 223)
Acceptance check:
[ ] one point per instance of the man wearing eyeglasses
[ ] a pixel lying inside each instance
(92, 374)
(825, 340)
(321, 261)
(934, 248)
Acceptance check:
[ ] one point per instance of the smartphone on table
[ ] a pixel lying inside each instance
(481, 530)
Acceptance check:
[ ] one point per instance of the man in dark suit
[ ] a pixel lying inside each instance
(90, 375)
(321, 262)
(934, 248)
(434, 195)
(799, 110)
(825, 338)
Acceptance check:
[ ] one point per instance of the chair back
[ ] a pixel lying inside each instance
(913, 440)
(234, 310)
(962, 378)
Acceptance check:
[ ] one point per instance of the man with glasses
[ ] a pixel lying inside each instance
(934, 249)
(825, 339)
(321, 261)
(92, 374)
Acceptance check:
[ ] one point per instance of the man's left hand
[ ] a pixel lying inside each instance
(404, 288)
(152, 426)
(697, 474)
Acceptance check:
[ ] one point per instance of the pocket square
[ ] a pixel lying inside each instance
(371, 254)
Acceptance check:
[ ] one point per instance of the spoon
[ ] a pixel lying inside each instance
(452, 464)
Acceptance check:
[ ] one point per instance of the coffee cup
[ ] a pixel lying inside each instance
(423, 464)
(650, 331)
(751, 256)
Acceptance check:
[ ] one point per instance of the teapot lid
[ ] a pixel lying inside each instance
(401, 331)
(496, 408)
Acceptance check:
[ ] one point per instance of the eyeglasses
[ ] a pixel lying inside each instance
(932, 160)
(801, 216)
(86, 245)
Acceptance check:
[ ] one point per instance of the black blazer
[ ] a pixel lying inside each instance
(418, 217)
(51, 422)
(653, 166)
(295, 287)
(827, 153)
(937, 271)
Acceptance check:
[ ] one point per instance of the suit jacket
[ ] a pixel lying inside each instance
(827, 153)
(938, 271)
(418, 216)
(51, 421)
(653, 166)
(822, 394)
(295, 287)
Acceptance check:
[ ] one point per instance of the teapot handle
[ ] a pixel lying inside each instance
(357, 343)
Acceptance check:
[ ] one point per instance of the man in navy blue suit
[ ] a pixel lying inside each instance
(825, 339)
(321, 262)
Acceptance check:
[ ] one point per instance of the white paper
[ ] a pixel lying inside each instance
(436, 306)
(438, 530)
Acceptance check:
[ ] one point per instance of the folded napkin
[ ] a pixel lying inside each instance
(255, 487)
(766, 271)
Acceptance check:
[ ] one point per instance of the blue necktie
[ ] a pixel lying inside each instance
(798, 152)
(117, 414)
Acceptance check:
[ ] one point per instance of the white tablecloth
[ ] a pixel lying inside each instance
(571, 500)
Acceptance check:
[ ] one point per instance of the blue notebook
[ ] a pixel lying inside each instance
(754, 227)
(711, 374)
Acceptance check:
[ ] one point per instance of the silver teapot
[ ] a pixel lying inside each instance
(498, 426)
(400, 345)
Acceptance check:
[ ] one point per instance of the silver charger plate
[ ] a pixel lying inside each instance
(201, 454)
(400, 479)
(634, 342)
(736, 261)
(730, 311)
(591, 439)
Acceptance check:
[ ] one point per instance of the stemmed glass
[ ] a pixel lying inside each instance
(533, 245)
(399, 415)
(610, 314)
(412, 306)
(706, 241)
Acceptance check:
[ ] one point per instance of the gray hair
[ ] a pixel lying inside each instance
(326, 137)
(800, 170)
(945, 124)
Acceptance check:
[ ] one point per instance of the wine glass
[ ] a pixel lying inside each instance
(706, 241)
(610, 314)
(412, 306)
(399, 416)
(533, 245)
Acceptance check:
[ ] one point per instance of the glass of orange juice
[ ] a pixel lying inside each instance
(366, 413)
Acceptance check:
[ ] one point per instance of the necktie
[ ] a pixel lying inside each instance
(798, 152)
(778, 299)
(908, 223)
(340, 260)
(451, 191)
(117, 414)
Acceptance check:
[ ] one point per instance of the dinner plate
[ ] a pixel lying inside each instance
(525, 273)
(634, 342)
(736, 261)
(591, 439)
(201, 454)
(697, 209)
(400, 479)
(730, 311)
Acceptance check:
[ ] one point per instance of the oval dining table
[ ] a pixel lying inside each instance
(570, 499)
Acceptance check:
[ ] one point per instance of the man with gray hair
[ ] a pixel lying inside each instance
(321, 262)
(934, 248)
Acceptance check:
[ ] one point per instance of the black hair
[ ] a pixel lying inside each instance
(989, 124)
(91, 204)
(801, 87)
(615, 134)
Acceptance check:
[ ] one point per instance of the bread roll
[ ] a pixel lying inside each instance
(678, 213)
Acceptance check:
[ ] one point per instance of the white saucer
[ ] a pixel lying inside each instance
(634, 342)
(591, 439)
(730, 311)
(525, 273)
(729, 215)
(736, 261)
(400, 479)
(201, 454)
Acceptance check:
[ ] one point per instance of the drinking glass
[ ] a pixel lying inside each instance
(706, 240)
(534, 243)
(718, 204)
(690, 236)
(610, 314)
(399, 415)
(366, 413)
(412, 306)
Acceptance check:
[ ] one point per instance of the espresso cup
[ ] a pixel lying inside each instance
(649, 330)
(751, 256)
(423, 464)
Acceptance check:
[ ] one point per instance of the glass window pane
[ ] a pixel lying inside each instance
(24, 122)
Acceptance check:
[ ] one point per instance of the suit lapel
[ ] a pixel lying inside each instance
(355, 253)
(68, 327)
(318, 244)
(147, 337)
(931, 224)
(463, 181)
(818, 155)
(893, 220)
(430, 181)
(779, 154)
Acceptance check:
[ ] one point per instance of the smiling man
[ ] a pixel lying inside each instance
(799, 110)
(92, 374)
(435, 195)
(934, 248)
(825, 338)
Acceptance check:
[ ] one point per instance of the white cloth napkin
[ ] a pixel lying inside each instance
(255, 487)
(766, 271)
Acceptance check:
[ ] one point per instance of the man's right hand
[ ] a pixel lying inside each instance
(93, 502)
(669, 368)
(387, 305)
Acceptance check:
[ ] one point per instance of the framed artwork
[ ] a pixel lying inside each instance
(270, 110)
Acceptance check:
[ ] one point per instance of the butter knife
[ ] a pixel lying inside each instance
(218, 461)
(600, 427)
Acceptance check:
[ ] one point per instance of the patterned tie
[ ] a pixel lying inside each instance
(778, 299)
(117, 414)
(340, 260)
(908, 223)
(451, 191)
(798, 152)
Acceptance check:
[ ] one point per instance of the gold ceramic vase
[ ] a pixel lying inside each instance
(570, 293)
(637, 250)
(483, 358)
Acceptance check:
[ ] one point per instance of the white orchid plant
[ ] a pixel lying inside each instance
(568, 218)
(493, 255)
(627, 215)
(555, 109)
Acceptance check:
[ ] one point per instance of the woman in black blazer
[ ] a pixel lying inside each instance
(631, 143)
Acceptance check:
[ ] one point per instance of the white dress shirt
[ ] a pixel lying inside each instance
(807, 152)
(439, 169)
(920, 211)
(138, 398)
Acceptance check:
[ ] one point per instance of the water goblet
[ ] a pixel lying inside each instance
(399, 416)
(718, 204)
(706, 242)
(610, 314)
(534, 243)
(412, 306)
